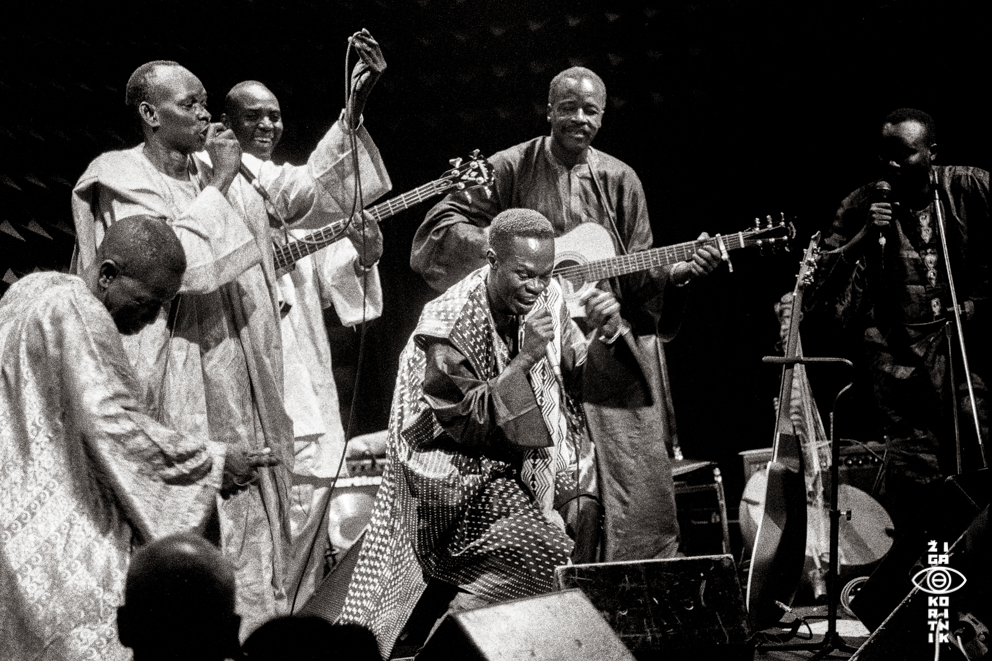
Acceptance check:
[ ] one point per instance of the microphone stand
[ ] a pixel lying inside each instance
(832, 641)
(959, 326)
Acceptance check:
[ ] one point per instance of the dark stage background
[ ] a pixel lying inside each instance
(727, 109)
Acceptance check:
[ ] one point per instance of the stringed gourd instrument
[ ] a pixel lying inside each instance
(780, 543)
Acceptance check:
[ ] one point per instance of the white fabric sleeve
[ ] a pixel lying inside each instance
(323, 190)
(352, 295)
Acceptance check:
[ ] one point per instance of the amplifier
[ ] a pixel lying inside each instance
(860, 466)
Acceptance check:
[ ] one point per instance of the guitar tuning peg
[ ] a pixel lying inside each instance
(769, 222)
(455, 162)
(757, 223)
(781, 221)
(475, 154)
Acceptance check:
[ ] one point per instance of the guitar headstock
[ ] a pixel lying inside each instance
(771, 235)
(467, 175)
(807, 267)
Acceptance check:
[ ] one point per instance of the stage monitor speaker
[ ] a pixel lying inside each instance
(349, 511)
(949, 599)
(670, 610)
(954, 505)
(328, 600)
(561, 626)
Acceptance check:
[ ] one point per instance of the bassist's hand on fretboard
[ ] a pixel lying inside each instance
(365, 234)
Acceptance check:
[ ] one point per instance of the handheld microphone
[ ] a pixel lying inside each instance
(882, 192)
(253, 180)
(555, 366)
(548, 352)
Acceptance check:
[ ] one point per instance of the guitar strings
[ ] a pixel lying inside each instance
(307, 245)
(614, 266)
(611, 267)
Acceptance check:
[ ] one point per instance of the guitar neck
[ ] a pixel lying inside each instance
(641, 261)
(783, 425)
(287, 255)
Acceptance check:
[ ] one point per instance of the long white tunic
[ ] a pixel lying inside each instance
(85, 473)
(212, 362)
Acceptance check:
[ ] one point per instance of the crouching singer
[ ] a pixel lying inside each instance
(482, 451)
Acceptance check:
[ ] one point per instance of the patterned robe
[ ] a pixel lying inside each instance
(632, 428)
(899, 301)
(85, 473)
(212, 362)
(457, 502)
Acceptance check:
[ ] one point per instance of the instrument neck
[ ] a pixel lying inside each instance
(297, 249)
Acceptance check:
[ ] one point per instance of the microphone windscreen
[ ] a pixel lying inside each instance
(882, 190)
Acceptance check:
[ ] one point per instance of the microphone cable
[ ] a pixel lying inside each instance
(357, 205)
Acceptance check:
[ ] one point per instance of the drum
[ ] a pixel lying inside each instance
(351, 510)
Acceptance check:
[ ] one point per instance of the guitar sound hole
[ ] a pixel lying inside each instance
(572, 283)
(570, 286)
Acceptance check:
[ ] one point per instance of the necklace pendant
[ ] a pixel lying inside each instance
(930, 261)
(937, 308)
(926, 229)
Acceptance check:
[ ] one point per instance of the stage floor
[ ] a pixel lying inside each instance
(850, 630)
(853, 633)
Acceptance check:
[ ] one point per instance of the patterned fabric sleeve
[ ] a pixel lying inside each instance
(470, 408)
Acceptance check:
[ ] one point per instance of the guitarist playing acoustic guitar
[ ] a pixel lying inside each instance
(570, 183)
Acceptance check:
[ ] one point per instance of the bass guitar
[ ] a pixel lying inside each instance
(464, 176)
(586, 255)
(780, 543)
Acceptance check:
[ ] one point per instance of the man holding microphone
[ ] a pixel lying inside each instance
(212, 361)
(884, 275)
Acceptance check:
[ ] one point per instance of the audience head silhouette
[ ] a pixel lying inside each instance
(179, 602)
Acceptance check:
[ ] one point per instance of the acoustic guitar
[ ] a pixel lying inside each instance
(780, 543)
(464, 176)
(586, 255)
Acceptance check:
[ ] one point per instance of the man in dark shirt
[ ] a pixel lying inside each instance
(885, 275)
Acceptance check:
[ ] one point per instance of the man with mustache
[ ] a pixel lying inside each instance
(343, 275)
(85, 472)
(475, 497)
(883, 277)
(568, 181)
(211, 363)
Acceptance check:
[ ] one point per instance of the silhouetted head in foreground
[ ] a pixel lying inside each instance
(179, 602)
